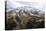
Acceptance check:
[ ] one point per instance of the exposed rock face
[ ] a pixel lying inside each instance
(24, 18)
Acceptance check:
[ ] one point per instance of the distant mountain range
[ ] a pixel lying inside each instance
(27, 11)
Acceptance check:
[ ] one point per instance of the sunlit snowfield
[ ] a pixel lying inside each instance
(24, 15)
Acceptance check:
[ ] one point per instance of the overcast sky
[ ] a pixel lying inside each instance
(40, 4)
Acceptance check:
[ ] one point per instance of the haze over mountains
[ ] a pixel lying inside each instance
(17, 3)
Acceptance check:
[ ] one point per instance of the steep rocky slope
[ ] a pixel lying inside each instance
(24, 18)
